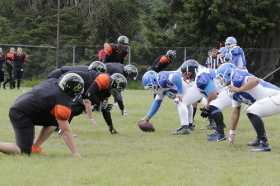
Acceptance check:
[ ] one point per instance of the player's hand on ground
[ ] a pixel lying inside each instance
(124, 112)
(77, 155)
(113, 131)
(231, 136)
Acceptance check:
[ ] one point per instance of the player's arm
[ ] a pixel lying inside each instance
(153, 108)
(108, 119)
(62, 114)
(68, 137)
(207, 85)
(234, 118)
(88, 111)
(155, 65)
(176, 80)
(119, 99)
(108, 49)
(251, 83)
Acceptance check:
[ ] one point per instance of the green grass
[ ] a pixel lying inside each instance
(136, 158)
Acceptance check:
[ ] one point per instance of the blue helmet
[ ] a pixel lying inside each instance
(225, 71)
(150, 80)
(230, 41)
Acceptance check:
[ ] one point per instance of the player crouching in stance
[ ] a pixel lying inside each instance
(47, 104)
(203, 79)
(261, 96)
(167, 83)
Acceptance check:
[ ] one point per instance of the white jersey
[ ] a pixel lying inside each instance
(262, 90)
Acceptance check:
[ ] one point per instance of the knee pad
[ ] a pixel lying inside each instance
(213, 110)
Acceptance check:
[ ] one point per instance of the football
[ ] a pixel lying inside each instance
(146, 126)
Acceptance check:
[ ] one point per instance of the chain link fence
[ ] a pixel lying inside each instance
(41, 59)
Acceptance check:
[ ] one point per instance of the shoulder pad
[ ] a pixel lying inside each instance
(238, 77)
(237, 50)
(163, 79)
(202, 80)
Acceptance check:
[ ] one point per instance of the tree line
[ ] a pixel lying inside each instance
(153, 23)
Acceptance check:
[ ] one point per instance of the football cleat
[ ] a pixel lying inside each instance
(183, 130)
(37, 150)
(262, 147)
(216, 137)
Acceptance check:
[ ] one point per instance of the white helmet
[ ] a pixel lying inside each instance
(230, 42)
(123, 40)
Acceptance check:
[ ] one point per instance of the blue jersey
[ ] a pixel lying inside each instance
(205, 81)
(170, 84)
(262, 90)
(170, 81)
(237, 57)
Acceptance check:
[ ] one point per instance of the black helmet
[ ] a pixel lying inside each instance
(72, 84)
(123, 40)
(171, 54)
(118, 81)
(131, 72)
(97, 66)
(190, 65)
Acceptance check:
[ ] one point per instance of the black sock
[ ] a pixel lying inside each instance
(194, 111)
(258, 125)
(218, 117)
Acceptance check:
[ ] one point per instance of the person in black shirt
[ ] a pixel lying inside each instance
(10, 57)
(47, 104)
(2, 61)
(130, 72)
(99, 95)
(163, 61)
(116, 53)
(19, 61)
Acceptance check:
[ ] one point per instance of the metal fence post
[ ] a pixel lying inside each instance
(129, 55)
(74, 55)
(185, 53)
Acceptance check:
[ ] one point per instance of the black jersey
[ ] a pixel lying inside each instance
(58, 72)
(160, 63)
(88, 76)
(42, 103)
(113, 68)
(99, 89)
(115, 53)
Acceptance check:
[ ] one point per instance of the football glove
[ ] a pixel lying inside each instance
(204, 112)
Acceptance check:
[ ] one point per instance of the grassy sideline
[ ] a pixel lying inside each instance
(136, 158)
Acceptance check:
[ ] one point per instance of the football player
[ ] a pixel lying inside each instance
(116, 53)
(235, 53)
(167, 83)
(99, 85)
(217, 99)
(130, 72)
(163, 61)
(261, 96)
(47, 104)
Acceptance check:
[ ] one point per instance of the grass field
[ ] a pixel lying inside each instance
(135, 158)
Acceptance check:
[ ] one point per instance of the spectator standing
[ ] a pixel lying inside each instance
(19, 61)
(2, 61)
(10, 57)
